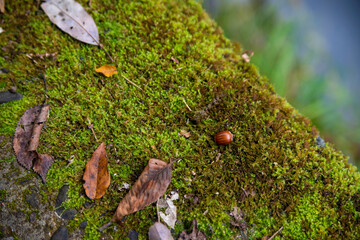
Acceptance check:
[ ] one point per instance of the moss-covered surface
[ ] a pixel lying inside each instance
(273, 170)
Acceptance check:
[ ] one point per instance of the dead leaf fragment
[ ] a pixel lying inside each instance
(96, 176)
(195, 235)
(24, 135)
(151, 185)
(185, 133)
(247, 55)
(159, 231)
(107, 70)
(72, 18)
(42, 164)
(170, 216)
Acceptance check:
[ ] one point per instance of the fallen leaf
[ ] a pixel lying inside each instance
(194, 235)
(169, 217)
(107, 70)
(42, 164)
(185, 133)
(151, 185)
(26, 140)
(24, 135)
(159, 231)
(72, 18)
(96, 176)
(2, 6)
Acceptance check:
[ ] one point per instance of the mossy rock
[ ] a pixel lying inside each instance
(273, 170)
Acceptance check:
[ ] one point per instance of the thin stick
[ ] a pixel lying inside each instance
(102, 47)
(132, 82)
(105, 226)
(276, 233)
(43, 77)
(92, 129)
(187, 105)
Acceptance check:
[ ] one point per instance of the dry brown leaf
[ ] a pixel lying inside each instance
(72, 18)
(185, 133)
(151, 185)
(30, 122)
(42, 164)
(96, 176)
(2, 6)
(26, 140)
(107, 70)
(195, 235)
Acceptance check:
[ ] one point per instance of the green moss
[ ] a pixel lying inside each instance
(273, 170)
(2, 194)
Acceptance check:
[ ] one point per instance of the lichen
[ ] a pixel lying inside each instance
(273, 170)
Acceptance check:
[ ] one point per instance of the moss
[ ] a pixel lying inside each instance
(2, 194)
(273, 170)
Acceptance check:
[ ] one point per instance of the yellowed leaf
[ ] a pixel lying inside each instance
(107, 70)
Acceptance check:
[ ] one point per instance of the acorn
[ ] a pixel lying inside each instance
(223, 137)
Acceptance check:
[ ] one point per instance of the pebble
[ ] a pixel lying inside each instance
(60, 234)
(83, 225)
(69, 214)
(133, 235)
(320, 142)
(62, 196)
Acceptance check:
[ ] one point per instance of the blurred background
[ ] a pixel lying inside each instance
(310, 51)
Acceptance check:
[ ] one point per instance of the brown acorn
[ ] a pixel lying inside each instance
(224, 137)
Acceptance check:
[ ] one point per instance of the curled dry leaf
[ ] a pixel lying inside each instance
(107, 70)
(72, 18)
(159, 231)
(26, 140)
(151, 185)
(96, 176)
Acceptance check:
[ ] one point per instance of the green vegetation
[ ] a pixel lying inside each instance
(273, 170)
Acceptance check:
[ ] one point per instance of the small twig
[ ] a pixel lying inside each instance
(187, 105)
(102, 47)
(105, 226)
(43, 77)
(90, 2)
(276, 233)
(92, 129)
(132, 82)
